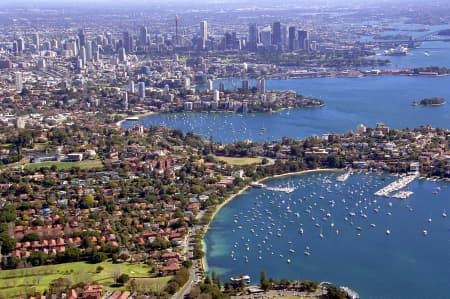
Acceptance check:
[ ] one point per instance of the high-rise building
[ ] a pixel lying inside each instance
(83, 56)
(125, 100)
(88, 48)
(82, 38)
(203, 33)
(253, 37)
(19, 82)
(128, 42)
(266, 37)
(143, 36)
(303, 39)
(141, 90)
(122, 55)
(20, 45)
(276, 33)
(36, 41)
(131, 88)
(262, 85)
(177, 18)
(292, 37)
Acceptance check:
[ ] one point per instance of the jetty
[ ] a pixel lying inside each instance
(392, 190)
(275, 189)
(343, 177)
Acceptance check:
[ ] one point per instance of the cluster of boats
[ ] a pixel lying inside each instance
(264, 231)
(393, 189)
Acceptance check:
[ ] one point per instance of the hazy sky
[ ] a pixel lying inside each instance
(199, 3)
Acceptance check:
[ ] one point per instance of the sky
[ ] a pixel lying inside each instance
(199, 3)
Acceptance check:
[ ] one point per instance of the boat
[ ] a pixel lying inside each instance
(288, 261)
(444, 214)
(425, 232)
(239, 279)
(307, 253)
(388, 232)
(292, 250)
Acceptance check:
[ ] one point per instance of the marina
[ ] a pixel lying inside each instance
(391, 189)
(314, 233)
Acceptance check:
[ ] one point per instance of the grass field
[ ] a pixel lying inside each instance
(239, 161)
(88, 164)
(15, 283)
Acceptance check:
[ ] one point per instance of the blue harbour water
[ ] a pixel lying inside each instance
(402, 265)
(260, 230)
(348, 102)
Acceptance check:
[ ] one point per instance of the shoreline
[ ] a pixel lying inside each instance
(204, 264)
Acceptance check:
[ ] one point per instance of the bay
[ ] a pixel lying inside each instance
(264, 226)
(349, 102)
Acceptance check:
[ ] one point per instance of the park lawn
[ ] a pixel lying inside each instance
(88, 164)
(14, 283)
(239, 161)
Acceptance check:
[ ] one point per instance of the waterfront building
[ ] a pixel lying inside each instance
(245, 85)
(209, 85)
(141, 90)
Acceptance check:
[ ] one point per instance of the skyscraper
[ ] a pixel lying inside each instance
(303, 38)
(82, 38)
(83, 56)
(36, 41)
(292, 38)
(252, 37)
(128, 42)
(177, 18)
(141, 90)
(20, 45)
(88, 48)
(122, 55)
(143, 36)
(203, 33)
(276, 33)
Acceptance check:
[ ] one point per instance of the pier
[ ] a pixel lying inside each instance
(393, 189)
(343, 177)
(275, 189)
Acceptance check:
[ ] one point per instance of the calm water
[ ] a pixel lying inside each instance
(349, 101)
(256, 231)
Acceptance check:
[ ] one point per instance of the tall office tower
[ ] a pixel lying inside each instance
(204, 33)
(127, 42)
(54, 44)
(303, 38)
(284, 37)
(143, 36)
(141, 90)
(266, 37)
(122, 55)
(82, 38)
(88, 48)
(177, 18)
(83, 56)
(276, 33)
(253, 37)
(292, 38)
(19, 82)
(36, 41)
(15, 48)
(20, 45)
(131, 88)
